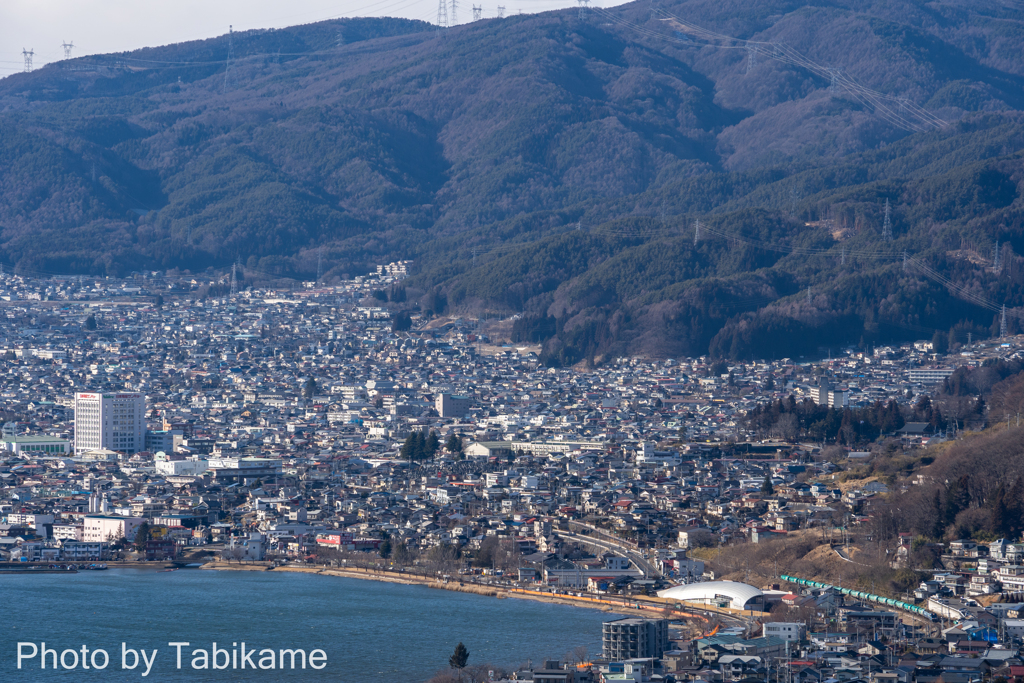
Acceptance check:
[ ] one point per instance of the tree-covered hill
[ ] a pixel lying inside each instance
(555, 166)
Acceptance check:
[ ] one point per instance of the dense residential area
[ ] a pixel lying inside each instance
(748, 512)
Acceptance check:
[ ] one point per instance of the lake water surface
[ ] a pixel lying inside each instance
(369, 631)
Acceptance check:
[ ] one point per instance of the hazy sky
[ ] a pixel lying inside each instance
(97, 26)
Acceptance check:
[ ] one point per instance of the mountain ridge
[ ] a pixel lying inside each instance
(486, 152)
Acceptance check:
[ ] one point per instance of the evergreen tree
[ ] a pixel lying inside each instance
(454, 444)
(957, 500)
(432, 444)
(999, 514)
(767, 488)
(459, 658)
(408, 448)
(385, 549)
(401, 322)
(937, 515)
(141, 536)
(90, 322)
(309, 389)
(415, 446)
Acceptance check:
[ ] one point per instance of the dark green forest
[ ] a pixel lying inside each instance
(555, 167)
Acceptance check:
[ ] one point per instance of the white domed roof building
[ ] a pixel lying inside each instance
(731, 594)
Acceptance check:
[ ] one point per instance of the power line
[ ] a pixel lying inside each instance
(897, 110)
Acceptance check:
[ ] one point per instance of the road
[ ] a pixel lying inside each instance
(634, 556)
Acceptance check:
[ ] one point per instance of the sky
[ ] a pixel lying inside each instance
(101, 26)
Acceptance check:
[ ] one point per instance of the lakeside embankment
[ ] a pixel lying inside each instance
(610, 603)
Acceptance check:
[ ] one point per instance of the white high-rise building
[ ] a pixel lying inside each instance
(116, 422)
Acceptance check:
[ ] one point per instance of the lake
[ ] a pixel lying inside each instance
(367, 631)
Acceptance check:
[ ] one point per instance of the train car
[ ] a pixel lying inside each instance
(862, 595)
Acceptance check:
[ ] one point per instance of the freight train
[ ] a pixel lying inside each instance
(862, 595)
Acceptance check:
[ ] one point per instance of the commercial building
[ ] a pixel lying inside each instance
(165, 440)
(826, 395)
(791, 631)
(115, 422)
(634, 638)
(244, 469)
(448, 405)
(35, 445)
(179, 468)
(931, 375)
(98, 528)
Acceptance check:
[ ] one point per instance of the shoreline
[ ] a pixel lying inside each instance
(610, 604)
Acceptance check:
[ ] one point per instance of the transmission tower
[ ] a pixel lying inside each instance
(501, 11)
(477, 12)
(1002, 322)
(231, 56)
(67, 48)
(905, 260)
(234, 279)
(833, 75)
(442, 14)
(583, 8)
(751, 58)
(28, 54)
(319, 264)
(696, 231)
(842, 257)
(808, 296)
(454, 18)
(995, 259)
(887, 225)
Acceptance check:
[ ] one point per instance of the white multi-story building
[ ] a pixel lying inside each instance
(791, 631)
(180, 468)
(96, 528)
(115, 422)
(68, 532)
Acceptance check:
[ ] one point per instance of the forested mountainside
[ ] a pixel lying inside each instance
(556, 167)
